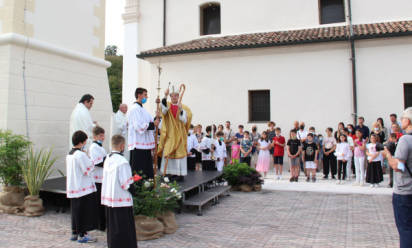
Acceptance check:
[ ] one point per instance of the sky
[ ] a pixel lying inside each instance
(114, 23)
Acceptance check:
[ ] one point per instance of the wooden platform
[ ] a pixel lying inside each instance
(204, 184)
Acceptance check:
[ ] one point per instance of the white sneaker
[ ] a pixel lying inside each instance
(338, 182)
(362, 183)
(372, 185)
(377, 185)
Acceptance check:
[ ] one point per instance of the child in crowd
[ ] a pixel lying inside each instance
(359, 158)
(220, 151)
(116, 196)
(81, 190)
(192, 144)
(374, 174)
(235, 151)
(294, 150)
(320, 154)
(263, 162)
(329, 159)
(310, 150)
(246, 147)
(278, 143)
(349, 140)
(342, 154)
(97, 154)
(206, 146)
(391, 145)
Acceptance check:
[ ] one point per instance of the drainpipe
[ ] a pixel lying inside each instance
(353, 60)
(164, 22)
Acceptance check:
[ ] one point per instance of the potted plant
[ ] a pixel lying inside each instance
(153, 204)
(36, 169)
(13, 150)
(242, 177)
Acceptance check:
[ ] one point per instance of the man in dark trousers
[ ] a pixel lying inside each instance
(141, 135)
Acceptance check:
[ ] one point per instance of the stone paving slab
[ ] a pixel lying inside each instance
(260, 220)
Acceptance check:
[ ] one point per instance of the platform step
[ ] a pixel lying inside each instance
(204, 197)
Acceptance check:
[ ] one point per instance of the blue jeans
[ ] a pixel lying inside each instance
(402, 208)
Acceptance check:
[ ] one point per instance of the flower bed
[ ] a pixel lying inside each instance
(242, 177)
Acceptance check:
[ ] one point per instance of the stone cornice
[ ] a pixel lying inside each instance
(20, 40)
(131, 11)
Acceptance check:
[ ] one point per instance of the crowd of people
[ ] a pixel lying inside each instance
(349, 151)
(100, 184)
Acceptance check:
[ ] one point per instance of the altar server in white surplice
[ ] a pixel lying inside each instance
(141, 135)
(117, 188)
(80, 189)
(220, 151)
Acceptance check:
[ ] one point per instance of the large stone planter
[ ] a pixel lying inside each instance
(11, 200)
(148, 228)
(257, 187)
(246, 188)
(168, 220)
(33, 206)
(12, 196)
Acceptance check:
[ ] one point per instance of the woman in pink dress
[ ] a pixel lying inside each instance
(263, 147)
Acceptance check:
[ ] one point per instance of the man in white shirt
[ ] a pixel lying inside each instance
(141, 135)
(119, 125)
(81, 119)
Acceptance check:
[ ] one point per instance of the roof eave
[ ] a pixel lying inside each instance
(297, 42)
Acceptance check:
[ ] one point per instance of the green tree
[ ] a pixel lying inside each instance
(110, 50)
(115, 73)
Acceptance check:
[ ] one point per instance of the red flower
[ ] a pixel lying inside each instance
(137, 178)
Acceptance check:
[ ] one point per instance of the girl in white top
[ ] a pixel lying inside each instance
(359, 157)
(343, 154)
(263, 147)
(351, 146)
(374, 174)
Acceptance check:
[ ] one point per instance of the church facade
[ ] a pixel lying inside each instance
(51, 53)
(318, 61)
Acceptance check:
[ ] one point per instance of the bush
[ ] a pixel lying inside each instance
(13, 149)
(151, 201)
(36, 169)
(240, 173)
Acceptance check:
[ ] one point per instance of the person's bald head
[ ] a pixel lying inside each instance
(123, 108)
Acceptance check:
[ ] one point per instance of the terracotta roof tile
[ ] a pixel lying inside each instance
(267, 39)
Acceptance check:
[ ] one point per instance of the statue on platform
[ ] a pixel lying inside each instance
(176, 120)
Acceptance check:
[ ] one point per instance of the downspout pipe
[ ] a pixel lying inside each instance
(164, 22)
(353, 60)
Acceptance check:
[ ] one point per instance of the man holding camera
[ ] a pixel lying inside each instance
(401, 163)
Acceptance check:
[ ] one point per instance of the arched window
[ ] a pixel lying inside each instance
(210, 19)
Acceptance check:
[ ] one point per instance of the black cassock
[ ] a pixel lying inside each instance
(121, 232)
(141, 160)
(84, 214)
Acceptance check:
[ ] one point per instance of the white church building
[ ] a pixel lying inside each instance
(318, 61)
(51, 53)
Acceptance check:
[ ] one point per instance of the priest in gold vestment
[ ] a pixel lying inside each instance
(176, 119)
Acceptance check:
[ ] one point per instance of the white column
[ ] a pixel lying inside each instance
(131, 48)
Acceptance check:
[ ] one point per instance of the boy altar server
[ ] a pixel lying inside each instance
(97, 154)
(117, 182)
(81, 190)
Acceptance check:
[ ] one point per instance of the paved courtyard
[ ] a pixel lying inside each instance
(263, 219)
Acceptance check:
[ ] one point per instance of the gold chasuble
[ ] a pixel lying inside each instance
(173, 138)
